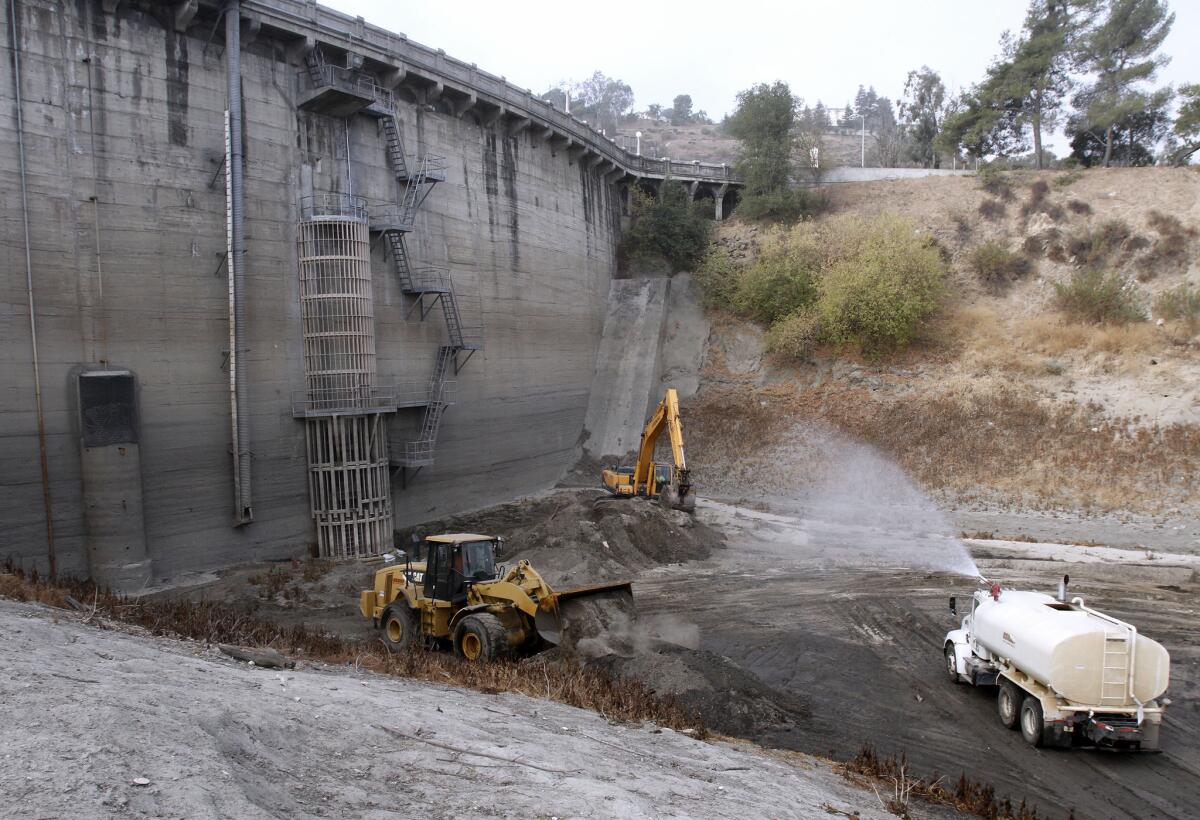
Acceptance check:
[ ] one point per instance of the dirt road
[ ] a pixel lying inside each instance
(830, 614)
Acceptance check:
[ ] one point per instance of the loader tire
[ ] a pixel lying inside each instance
(1032, 725)
(1008, 704)
(481, 638)
(399, 628)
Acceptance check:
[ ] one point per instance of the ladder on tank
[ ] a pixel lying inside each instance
(1116, 670)
(1117, 658)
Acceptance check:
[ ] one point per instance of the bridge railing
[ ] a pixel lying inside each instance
(384, 46)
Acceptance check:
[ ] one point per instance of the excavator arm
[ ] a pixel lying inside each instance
(666, 417)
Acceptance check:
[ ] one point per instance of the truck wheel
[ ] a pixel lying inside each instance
(952, 664)
(1031, 720)
(480, 638)
(398, 627)
(1008, 704)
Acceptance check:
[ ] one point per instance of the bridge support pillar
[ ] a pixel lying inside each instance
(719, 197)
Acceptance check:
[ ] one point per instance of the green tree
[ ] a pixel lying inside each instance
(681, 110)
(1033, 78)
(1024, 89)
(668, 226)
(921, 112)
(763, 123)
(601, 100)
(1120, 51)
(1134, 136)
(1187, 123)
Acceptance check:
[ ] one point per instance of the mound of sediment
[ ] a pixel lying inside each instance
(732, 700)
(585, 536)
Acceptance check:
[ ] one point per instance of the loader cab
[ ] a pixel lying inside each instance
(454, 562)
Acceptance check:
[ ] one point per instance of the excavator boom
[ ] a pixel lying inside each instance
(643, 479)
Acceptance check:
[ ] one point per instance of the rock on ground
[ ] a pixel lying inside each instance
(102, 722)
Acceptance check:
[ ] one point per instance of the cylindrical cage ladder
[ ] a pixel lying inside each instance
(337, 310)
(348, 473)
(349, 484)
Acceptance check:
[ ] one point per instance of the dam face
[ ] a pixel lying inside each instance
(124, 146)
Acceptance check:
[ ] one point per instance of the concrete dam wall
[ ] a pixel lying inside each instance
(124, 144)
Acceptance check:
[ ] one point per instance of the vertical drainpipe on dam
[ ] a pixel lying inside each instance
(235, 204)
(15, 46)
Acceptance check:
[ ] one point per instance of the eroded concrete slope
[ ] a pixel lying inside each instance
(627, 365)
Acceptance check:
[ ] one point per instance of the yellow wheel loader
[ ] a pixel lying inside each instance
(671, 484)
(454, 594)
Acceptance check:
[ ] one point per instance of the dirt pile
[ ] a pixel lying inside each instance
(732, 700)
(584, 536)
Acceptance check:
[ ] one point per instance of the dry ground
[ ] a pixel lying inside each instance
(105, 722)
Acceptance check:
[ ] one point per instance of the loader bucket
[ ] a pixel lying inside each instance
(585, 612)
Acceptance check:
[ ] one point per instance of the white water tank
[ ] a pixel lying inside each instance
(1080, 655)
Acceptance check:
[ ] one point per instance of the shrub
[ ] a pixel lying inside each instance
(796, 336)
(992, 209)
(1168, 225)
(996, 265)
(717, 276)
(1068, 179)
(880, 286)
(1182, 302)
(1038, 202)
(1170, 251)
(782, 279)
(843, 281)
(995, 182)
(1092, 295)
(668, 227)
(962, 224)
(1094, 248)
(786, 206)
(1078, 206)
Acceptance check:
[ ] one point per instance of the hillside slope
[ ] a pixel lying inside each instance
(1005, 404)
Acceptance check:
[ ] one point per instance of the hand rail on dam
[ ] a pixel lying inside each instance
(395, 57)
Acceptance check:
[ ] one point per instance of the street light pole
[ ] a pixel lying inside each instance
(863, 160)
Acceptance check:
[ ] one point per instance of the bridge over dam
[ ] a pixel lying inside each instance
(280, 280)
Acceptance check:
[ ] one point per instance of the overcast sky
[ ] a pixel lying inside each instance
(822, 50)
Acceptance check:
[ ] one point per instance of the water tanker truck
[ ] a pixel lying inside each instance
(1067, 674)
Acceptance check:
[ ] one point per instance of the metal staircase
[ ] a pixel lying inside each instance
(395, 145)
(428, 286)
(315, 61)
(418, 452)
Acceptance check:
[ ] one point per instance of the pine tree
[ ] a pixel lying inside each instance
(1121, 52)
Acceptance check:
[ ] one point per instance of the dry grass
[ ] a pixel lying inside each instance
(559, 680)
(900, 787)
(985, 341)
(966, 438)
(970, 438)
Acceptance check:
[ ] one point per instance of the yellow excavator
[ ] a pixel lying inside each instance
(670, 483)
(455, 595)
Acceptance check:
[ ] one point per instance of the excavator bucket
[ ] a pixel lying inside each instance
(585, 612)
